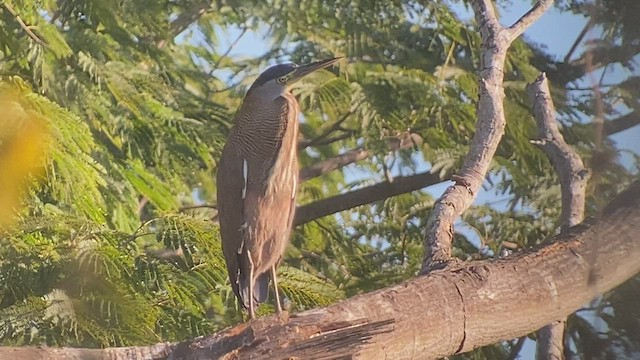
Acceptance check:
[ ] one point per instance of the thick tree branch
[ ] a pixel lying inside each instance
(367, 195)
(566, 161)
(458, 305)
(573, 182)
(331, 205)
(489, 130)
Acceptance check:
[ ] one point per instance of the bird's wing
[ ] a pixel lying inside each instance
(237, 203)
(230, 181)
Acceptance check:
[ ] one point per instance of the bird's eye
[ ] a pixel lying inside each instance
(282, 79)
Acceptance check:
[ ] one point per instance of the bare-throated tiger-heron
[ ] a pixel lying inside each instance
(257, 180)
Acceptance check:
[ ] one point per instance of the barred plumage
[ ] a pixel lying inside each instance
(257, 180)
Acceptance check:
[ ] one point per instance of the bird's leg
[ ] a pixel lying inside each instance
(252, 312)
(275, 289)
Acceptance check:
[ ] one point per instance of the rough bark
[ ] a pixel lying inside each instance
(489, 130)
(446, 312)
(573, 183)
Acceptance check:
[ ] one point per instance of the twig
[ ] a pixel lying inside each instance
(145, 223)
(347, 134)
(232, 84)
(335, 126)
(489, 130)
(447, 60)
(133, 237)
(584, 32)
(141, 204)
(203, 206)
(403, 141)
(231, 46)
(214, 218)
(227, 88)
(186, 18)
(24, 26)
(334, 163)
(597, 57)
(590, 88)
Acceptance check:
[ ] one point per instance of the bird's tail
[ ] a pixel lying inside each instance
(260, 289)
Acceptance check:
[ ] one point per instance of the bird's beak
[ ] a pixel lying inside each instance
(304, 70)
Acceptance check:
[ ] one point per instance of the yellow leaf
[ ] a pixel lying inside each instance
(23, 142)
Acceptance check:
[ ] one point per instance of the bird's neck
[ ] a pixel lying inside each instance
(264, 125)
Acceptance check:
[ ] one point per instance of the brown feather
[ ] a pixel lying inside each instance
(265, 135)
(230, 210)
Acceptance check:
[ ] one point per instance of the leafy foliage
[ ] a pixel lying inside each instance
(135, 99)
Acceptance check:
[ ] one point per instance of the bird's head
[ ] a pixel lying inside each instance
(273, 82)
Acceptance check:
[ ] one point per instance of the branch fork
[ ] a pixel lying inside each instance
(496, 40)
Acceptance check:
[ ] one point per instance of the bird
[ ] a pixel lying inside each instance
(257, 180)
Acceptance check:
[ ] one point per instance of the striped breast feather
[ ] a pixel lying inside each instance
(261, 127)
(284, 171)
(262, 130)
